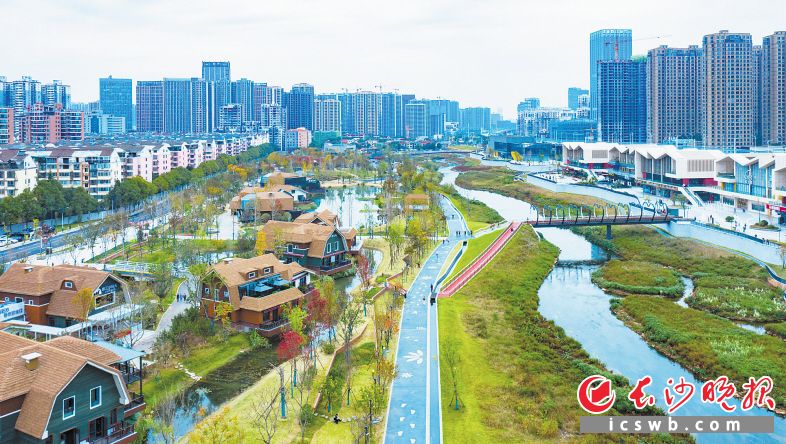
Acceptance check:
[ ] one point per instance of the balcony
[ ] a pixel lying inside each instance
(336, 267)
(121, 433)
(137, 404)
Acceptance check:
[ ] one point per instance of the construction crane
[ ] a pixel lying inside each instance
(617, 44)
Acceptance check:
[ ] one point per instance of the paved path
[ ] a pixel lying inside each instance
(149, 337)
(485, 257)
(414, 411)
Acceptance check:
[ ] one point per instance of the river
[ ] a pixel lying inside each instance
(570, 299)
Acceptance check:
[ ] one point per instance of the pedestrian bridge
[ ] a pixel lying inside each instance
(597, 215)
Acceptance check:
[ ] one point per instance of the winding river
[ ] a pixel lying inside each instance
(570, 299)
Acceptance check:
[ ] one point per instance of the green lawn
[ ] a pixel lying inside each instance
(476, 214)
(474, 248)
(708, 345)
(634, 277)
(518, 372)
(201, 361)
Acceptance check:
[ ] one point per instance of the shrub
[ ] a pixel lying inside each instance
(328, 348)
(729, 218)
(258, 342)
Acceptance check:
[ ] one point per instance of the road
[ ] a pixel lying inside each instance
(414, 414)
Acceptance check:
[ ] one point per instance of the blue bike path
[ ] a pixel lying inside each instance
(414, 414)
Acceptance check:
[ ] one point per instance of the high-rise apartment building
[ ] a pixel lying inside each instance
(51, 124)
(150, 106)
(6, 126)
(391, 115)
(243, 94)
(366, 113)
(622, 104)
(347, 112)
(116, 99)
(574, 94)
(56, 93)
(327, 114)
(476, 119)
(177, 105)
(199, 105)
(528, 104)
(416, 119)
(216, 72)
(231, 118)
(728, 91)
(606, 44)
(259, 96)
(300, 106)
(773, 89)
(673, 93)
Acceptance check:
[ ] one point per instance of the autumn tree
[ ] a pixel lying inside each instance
(84, 301)
(261, 243)
(223, 313)
(219, 428)
(363, 269)
(288, 350)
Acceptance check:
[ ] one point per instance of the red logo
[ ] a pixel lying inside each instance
(595, 394)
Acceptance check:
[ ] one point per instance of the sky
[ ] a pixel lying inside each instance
(480, 52)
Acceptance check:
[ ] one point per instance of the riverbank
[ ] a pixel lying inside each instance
(501, 180)
(476, 214)
(516, 372)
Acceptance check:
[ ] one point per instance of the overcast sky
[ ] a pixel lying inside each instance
(482, 53)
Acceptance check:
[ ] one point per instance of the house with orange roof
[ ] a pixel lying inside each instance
(258, 290)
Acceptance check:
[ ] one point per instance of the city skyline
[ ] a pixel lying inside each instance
(421, 44)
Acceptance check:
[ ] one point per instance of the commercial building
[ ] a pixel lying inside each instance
(622, 100)
(674, 93)
(574, 96)
(728, 104)
(116, 99)
(150, 106)
(606, 44)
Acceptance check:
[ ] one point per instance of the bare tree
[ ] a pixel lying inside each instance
(348, 321)
(265, 415)
(164, 416)
(75, 242)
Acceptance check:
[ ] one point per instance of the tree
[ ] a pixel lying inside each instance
(331, 392)
(302, 393)
(50, 197)
(363, 269)
(372, 399)
(223, 313)
(162, 280)
(84, 301)
(395, 237)
(265, 415)
(348, 320)
(75, 241)
(261, 243)
(143, 316)
(288, 349)
(219, 428)
(452, 361)
(91, 233)
(164, 415)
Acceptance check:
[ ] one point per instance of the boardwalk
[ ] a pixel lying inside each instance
(485, 257)
(414, 412)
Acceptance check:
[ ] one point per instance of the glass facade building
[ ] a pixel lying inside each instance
(607, 44)
(116, 98)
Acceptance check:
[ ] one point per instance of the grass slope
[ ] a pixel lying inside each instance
(518, 372)
(474, 248)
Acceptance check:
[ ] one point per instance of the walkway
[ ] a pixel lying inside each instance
(175, 308)
(472, 269)
(414, 414)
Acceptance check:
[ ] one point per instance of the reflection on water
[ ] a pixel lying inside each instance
(350, 204)
(570, 299)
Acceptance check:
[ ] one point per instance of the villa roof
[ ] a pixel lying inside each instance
(41, 385)
(325, 216)
(235, 273)
(270, 301)
(315, 235)
(265, 200)
(38, 280)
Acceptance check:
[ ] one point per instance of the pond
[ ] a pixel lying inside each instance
(570, 299)
(353, 205)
